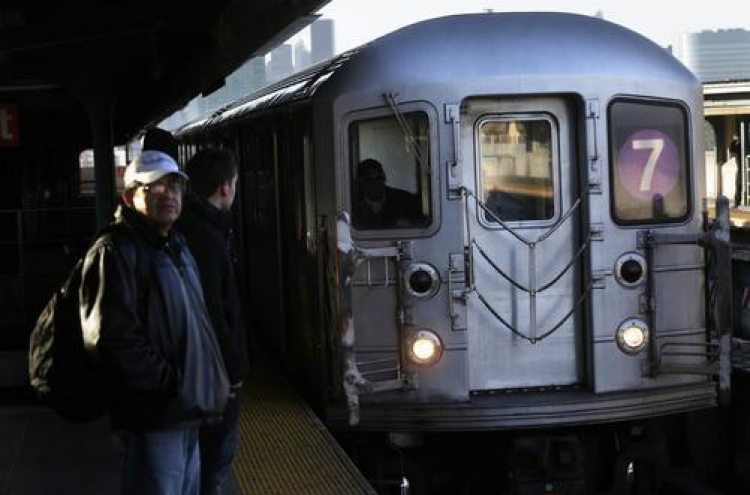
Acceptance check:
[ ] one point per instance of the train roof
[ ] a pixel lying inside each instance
(298, 87)
(521, 45)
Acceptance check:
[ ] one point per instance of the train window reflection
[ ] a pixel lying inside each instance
(390, 172)
(648, 160)
(516, 169)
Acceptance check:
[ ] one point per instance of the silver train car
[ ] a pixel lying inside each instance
(482, 227)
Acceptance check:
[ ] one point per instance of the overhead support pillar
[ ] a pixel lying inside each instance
(99, 105)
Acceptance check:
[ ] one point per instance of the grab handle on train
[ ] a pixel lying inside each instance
(716, 243)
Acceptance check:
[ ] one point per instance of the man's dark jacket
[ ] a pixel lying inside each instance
(151, 333)
(399, 209)
(209, 235)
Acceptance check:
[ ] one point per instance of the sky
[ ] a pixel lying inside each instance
(359, 21)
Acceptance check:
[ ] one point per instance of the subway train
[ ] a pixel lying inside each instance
(479, 246)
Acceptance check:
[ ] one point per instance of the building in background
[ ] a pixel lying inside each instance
(301, 55)
(259, 72)
(714, 56)
(280, 64)
(321, 40)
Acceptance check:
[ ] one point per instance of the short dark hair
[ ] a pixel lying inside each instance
(370, 169)
(210, 167)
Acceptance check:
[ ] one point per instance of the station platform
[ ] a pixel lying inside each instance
(284, 449)
(739, 217)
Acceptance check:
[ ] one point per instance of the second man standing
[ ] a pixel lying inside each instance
(206, 223)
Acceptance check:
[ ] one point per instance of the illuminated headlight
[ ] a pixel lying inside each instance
(632, 336)
(424, 348)
(422, 280)
(630, 269)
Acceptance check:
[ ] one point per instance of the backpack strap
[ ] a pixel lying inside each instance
(143, 259)
(144, 265)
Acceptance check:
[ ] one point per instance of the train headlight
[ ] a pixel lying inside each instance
(630, 269)
(632, 336)
(424, 348)
(421, 280)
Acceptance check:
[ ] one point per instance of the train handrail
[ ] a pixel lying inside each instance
(353, 380)
(544, 335)
(710, 350)
(533, 290)
(511, 230)
(348, 257)
(578, 254)
(716, 243)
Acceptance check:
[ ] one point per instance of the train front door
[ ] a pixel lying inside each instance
(522, 233)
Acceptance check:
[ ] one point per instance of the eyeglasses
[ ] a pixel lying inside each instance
(175, 185)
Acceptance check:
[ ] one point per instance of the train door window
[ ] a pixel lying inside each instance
(390, 172)
(648, 162)
(516, 174)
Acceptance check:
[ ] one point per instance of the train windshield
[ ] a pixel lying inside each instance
(390, 170)
(516, 169)
(648, 162)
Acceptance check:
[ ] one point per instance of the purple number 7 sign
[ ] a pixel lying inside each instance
(648, 164)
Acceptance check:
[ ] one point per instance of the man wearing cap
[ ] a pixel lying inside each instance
(152, 333)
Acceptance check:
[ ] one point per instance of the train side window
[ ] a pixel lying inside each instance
(390, 172)
(648, 162)
(516, 169)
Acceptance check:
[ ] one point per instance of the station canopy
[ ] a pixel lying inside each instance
(143, 59)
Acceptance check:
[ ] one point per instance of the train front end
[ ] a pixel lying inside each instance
(547, 264)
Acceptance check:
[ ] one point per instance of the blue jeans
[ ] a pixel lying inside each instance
(163, 462)
(217, 444)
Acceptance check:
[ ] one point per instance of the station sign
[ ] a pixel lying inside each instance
(9, 126)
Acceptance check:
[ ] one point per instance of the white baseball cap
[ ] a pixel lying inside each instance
(151, 166)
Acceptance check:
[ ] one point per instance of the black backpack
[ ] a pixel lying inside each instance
(63, 374)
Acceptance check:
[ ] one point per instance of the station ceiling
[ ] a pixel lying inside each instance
(144, 59)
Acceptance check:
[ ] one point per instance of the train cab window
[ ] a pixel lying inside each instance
(648, 162)
(516, 178)
(390, 172)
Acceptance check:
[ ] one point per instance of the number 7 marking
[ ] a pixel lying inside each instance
(656, 146)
